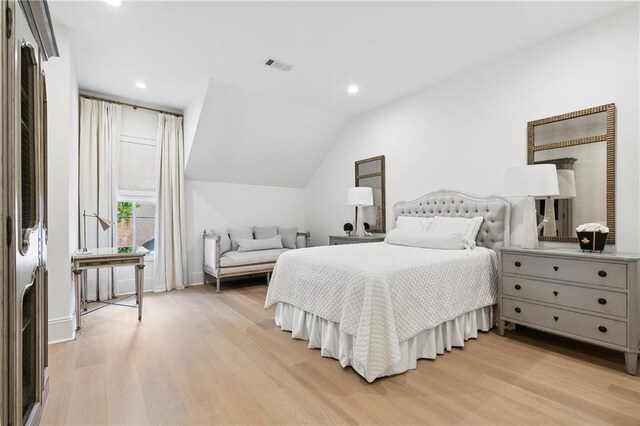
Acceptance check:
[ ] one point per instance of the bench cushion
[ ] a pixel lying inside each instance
(234, 258)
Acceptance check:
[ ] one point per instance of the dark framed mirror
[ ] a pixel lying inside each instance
(370, 173)
(581, 144)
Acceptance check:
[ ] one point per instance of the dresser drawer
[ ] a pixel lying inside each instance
(603, 301)
(592, 327)
(587, 272)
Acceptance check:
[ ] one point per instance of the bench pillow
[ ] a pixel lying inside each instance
(243, 232)
(262, 232)
(246, 244)
(289, 237)
(225, 241)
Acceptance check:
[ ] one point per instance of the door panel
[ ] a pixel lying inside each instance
(25, 163)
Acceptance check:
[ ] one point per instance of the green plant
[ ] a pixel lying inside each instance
(347, 227)
(125, 210)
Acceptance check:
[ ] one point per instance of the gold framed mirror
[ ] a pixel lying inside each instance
(582, 146)
(370, 172)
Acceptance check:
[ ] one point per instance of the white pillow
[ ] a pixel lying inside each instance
(246, 244)
(410, 222)
(468, 227)
(245, 232)
(225, 241)
(426, 239)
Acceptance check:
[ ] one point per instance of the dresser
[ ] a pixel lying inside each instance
(592, 297)
(346, 239)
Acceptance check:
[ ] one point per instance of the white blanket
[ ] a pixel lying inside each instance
(384, 294)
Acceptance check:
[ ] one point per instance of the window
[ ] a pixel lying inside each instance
(137, 168)
(136, 223)
(137, 178)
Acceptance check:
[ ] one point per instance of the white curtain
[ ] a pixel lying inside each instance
(170, 253)
(98, 152)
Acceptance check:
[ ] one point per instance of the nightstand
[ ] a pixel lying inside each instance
(592, 297)
(335, 240)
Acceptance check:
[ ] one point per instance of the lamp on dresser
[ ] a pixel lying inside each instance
(360, 196)
(566, 190)
(533, 181)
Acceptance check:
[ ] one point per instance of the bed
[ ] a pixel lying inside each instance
(379, 307)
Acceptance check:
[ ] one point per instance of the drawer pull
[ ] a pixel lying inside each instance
(518, 310)
(555, 268)
(602, 301)
(555, 318)
(602, 329)
(602, 273)
(555, 293)
(518, 264)
(517, 287)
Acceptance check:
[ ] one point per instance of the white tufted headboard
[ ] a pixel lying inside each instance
(494, 232)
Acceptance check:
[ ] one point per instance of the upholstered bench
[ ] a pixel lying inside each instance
(247, 250)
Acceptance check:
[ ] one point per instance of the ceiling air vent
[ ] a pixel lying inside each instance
(280, 66)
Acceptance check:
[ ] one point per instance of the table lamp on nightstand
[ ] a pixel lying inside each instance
(533, 181)
(360, 196)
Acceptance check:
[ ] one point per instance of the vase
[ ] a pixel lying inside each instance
(592, 241)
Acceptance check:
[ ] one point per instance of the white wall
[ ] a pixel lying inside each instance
(62, 176)
(191, 118)
(213, 205)
(464, 132)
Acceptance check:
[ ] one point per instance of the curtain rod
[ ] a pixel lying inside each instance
(97, 98)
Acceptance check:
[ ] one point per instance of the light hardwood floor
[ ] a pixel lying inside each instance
(201, 358)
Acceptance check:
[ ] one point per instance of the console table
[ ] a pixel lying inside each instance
(107, 258)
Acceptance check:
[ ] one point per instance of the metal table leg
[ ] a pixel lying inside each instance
(84, 290)
(78, 277)
(139, 288)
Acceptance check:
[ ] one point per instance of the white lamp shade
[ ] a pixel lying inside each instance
(566, 184)
(360, 196)
(537, 180)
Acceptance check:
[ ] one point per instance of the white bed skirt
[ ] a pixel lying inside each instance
(326, 336)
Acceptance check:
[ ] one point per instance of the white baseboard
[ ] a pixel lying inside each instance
(196, 278)
(62, 329)
(129, 286)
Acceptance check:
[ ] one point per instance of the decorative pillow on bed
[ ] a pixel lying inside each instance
(426, 239)
(246, 244)
(468, 227)
(234, 233)
(289, 237)
(411, 222)
(262, 232)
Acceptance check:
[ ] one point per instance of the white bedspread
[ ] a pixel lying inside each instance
(383, 294)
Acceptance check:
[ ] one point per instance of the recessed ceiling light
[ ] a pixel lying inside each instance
(353, 89)
(141, 85)
(113, 2)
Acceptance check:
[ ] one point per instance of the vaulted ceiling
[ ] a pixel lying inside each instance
(245, 137)
(248, 123)
(389, 48)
